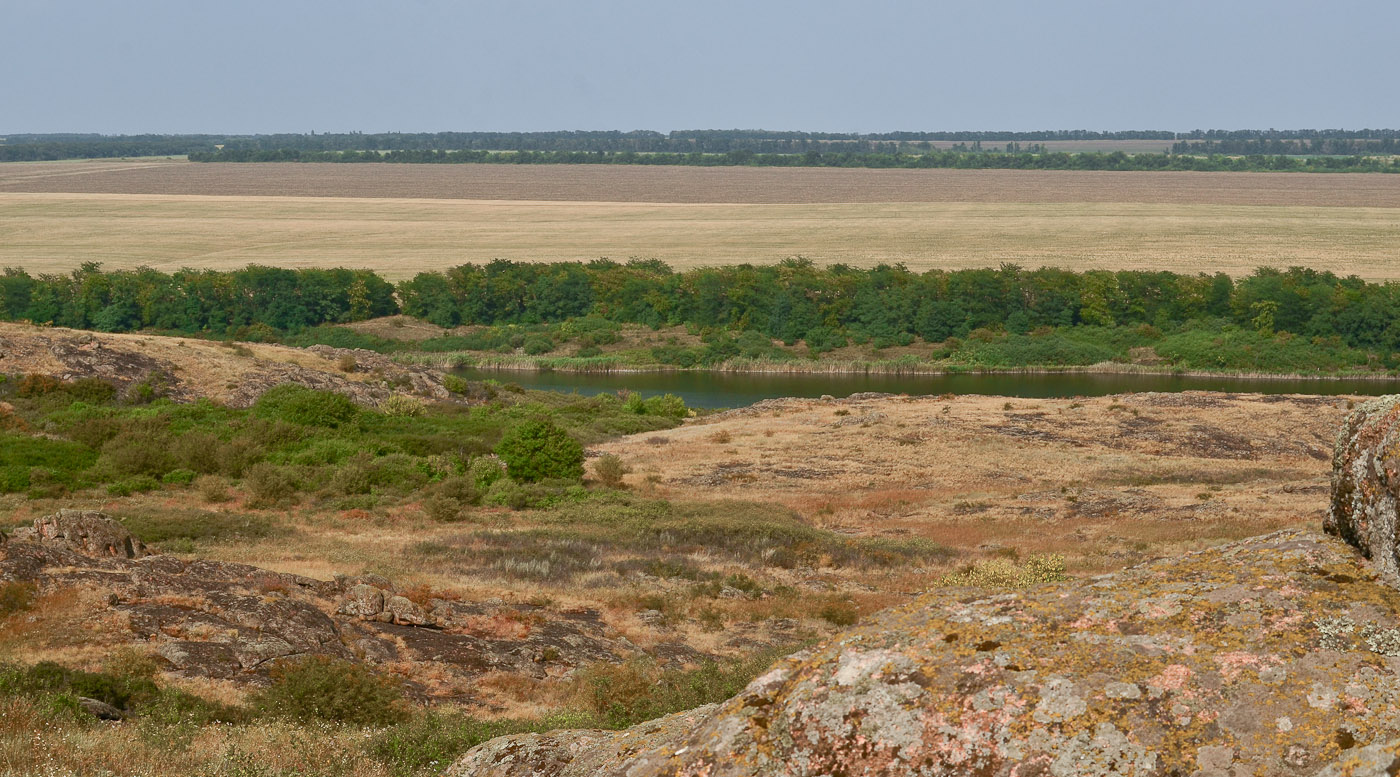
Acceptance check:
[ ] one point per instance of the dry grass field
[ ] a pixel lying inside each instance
(401, 219)
(1106, 481)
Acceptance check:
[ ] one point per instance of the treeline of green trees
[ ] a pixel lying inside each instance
(48, 151)
(1268, 134)
(796, 300)
(791, 301)
(39, 147)
(954, 158)
(238, 303)
(1318, 146)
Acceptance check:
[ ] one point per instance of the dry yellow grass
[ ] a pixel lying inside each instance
(401, 219)
(400, 237)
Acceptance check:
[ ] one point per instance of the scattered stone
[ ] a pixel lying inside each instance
(99, 709)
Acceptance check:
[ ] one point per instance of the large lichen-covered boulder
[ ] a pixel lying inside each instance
(1276, 655)
(89, 532)
(1366, 484)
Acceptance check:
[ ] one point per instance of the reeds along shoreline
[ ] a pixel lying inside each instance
(611, 364)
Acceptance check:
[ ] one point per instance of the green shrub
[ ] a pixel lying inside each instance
(666, 405)
(536, 345)
(610, 469)
(20, 454)
(486, 470)
(307, 407)
(401, 406)
(179, 477)
(142, 447)
(428, 741)
(506, 493)
(48, 677)
(93, 391)
(839, 613)
(321, 688)
(364, 473)
(269, 485)
(137, 485)
(623, 695)
(1005, 573)
(212, 489)
(155, 385)
(537, 449)
(163, 527)
(447, 500)
(455, 384)
(14, 478)
(16, 596)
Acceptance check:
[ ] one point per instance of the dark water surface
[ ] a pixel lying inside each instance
(730, 389)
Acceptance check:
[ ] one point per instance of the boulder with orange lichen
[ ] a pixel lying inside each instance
(1276, 655)
(1366, 485)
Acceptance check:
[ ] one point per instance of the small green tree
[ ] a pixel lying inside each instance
(537, 449)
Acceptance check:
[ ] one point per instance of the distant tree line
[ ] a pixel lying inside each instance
(789, 301)
(1319, 146)
(51, 150)
(953, 158)
(38, 147)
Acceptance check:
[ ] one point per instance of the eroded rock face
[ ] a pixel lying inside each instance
(1366, 484)
(1276, 655)
(89, 532)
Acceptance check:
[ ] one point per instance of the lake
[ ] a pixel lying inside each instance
(736, 389)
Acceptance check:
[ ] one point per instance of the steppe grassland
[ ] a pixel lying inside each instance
(401, 219)
(1106, 481)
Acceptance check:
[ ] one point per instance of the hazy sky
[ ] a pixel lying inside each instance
(424, 65)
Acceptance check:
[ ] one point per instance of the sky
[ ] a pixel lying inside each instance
(251, 66)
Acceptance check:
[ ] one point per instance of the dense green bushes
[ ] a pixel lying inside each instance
(298, 445)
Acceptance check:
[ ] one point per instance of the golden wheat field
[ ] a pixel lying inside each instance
(401, 219)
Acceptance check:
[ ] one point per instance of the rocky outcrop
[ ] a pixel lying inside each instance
(88, 532)
(233, 621)
(1366, 485)
(145, 366)
(575, 753)
(1277, 655)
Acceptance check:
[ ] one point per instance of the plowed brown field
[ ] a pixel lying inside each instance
(635, 183)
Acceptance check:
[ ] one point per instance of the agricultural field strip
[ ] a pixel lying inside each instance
(400, 237)
(698, 185)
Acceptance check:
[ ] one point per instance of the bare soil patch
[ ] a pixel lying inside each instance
(622, 183)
